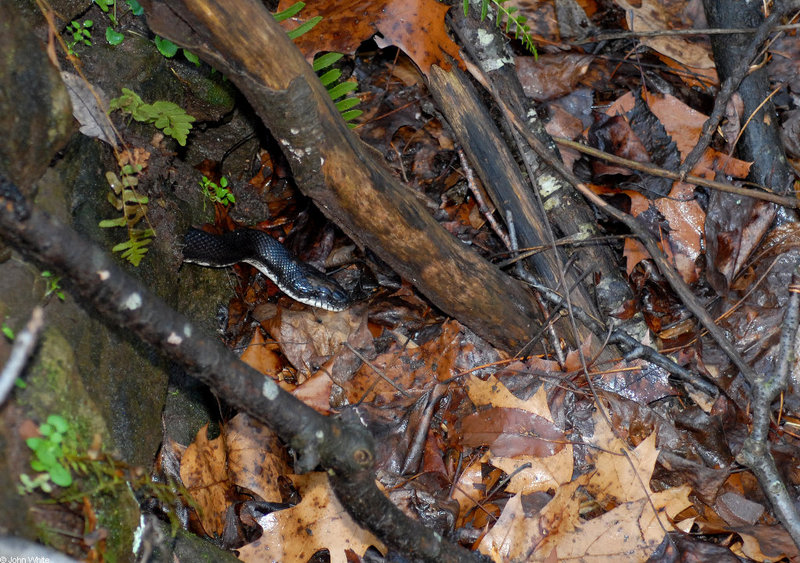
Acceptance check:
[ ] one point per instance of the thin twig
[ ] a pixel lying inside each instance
(481, 201)
(632, 347)
(667, 270)
(380, 373)
(654, 170)
(755, 452)
(522, 274)
(24, 343)
(676, 32)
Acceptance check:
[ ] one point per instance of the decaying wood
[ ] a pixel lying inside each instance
(334, 168)
(505, 184)
(567, 212)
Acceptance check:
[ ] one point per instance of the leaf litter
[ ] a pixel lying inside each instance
(520, 457)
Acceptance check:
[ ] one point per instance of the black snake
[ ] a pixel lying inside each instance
(296, 279)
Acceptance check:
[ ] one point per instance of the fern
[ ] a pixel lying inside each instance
(167, 116)
(520, 28)
(329, 78)
(133, 206)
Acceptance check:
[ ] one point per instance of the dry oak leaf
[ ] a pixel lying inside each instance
(685, 216)
(658, 15)
(256, 457)
(510, 426)
(630, 532)
(415, 26)
(541, 473)
(517, 536)
(493, 393)
(204, 472)
(318, 522)
(549, 463)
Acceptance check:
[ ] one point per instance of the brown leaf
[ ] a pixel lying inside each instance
(515, 536)
(204, 473)
(657, 15)
(415, 26)
(311, 337)
(493, 392)
(630, 532)
(318, 522)
(512, 432)
(256, 457)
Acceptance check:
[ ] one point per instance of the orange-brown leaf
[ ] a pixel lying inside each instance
(415, 26)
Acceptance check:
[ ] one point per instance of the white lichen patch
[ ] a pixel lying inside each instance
(103, 275)
(187, 330)
(585, 231)
(269, 390)
(133, 302)
(489, 65)
(174, 339)
(294, 131)
(548, 185)
(484, 38)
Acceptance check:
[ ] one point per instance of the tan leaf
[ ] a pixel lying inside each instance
(657, 15)
(415, 26)
(517, 536)
(205, 475)
(615, 475)
(318, 522)
(256, 457)
(493, 392)
(630, 532)
(544, 473)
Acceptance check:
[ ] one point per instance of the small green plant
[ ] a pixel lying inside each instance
(48, 457)
(109, 7)
(135, 7)
(169, 50)
(114, 37)
(81, 33)
(124, 198)
(8, 332)
(520, 28)
(217, 193)
(167, 116)
(53, 285)
(90, 473)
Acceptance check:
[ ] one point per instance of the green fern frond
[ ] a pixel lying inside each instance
(304, 28)
(289, 12)
(330, 77)
(167, 116)
(133, 206)
(326, 60)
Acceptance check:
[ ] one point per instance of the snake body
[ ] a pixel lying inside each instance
(296, 279)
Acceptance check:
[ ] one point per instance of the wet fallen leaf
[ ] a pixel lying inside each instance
(657, 15)
(319, 522)
(255, 457)
(204, 473)
(415, 26)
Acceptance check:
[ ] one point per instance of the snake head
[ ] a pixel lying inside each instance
(335, 298)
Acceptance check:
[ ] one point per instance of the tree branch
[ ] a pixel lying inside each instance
(345, 449)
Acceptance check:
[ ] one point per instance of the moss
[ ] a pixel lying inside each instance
(119, 515)
(55, 387)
